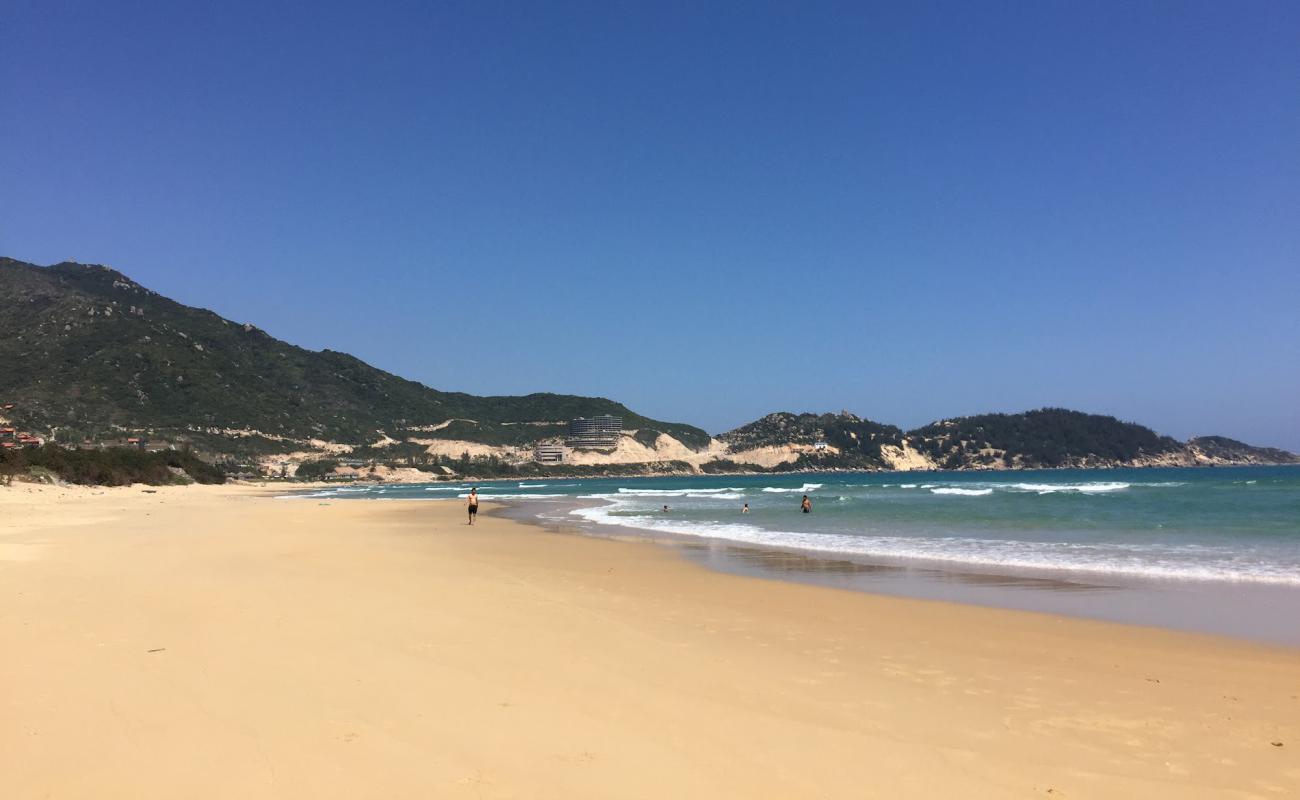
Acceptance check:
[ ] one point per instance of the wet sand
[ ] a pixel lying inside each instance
(1240, 610)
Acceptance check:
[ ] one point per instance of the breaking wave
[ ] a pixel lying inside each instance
(805, 489)
(672, 492)
(1173, 562)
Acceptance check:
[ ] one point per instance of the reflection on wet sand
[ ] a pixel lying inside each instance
(727, 557)
(757, 561)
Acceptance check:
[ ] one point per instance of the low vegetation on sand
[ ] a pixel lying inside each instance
(113, 466)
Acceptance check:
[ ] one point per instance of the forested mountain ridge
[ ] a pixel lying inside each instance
(1049, 437)
(1040, 439)
(96, 352)
(825, 440)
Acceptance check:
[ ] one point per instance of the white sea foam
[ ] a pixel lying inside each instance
(531, 485)
(1136, 560)
(447, 488)
(1080, 488)
(805, 489)
(511, 496)
(674, 492)
(697, 494)
(979, 488)
(1087, 487)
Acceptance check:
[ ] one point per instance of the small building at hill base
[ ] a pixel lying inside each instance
(548, 454)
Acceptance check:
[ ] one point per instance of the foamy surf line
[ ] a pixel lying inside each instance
(511, 496)
(983, 489)
(805, 489)
(1013, 558)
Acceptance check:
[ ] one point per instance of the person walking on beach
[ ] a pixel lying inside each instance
(471, 503)
(806, 505)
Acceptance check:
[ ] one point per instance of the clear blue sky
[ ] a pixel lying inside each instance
(909, 211)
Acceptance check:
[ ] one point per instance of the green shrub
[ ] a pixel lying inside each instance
(112, 466)
(315, 470)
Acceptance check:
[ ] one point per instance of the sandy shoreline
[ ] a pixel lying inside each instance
(214, 642)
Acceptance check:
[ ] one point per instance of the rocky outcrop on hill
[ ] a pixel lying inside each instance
(1222, 450)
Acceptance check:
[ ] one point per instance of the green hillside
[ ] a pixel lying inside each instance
(92, 352)
(1221, 447)
(1045, 438)
(1049, 437)
(857, 440)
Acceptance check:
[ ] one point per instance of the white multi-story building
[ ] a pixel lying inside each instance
(595, 433)
(548, 454)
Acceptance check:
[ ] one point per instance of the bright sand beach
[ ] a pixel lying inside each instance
(218, 642)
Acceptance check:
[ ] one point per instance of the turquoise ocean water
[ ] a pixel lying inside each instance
(1219, 533)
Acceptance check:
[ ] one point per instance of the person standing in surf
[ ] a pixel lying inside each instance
(471, 503)
(806, 505)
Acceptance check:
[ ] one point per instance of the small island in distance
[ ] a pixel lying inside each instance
(106, 363)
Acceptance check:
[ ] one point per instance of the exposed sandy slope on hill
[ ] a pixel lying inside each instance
(455, 448)
(668, 449)
(630, 451)
(773, 455)
(905, 459)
